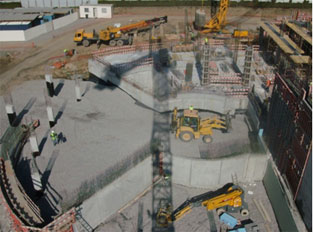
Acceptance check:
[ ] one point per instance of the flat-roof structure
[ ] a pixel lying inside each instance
(17, 17)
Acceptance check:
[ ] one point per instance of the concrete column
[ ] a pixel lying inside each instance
(153, 31)
(162, 30)
(189, 69)
(77, 88)
(34, 144)
(35, 175)
(49, 83)
(49, 109)
(177, 29)
(9, 108)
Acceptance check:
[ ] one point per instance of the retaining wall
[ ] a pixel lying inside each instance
(206, 101)
(189, 172)
(201, 173)
(111, 198)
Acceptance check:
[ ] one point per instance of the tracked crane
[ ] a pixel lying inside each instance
(218, 20)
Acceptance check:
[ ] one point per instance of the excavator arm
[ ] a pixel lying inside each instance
(217, 22)
(229, 194)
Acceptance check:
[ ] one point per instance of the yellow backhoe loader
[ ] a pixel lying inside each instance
(190, 126)
(228, 198)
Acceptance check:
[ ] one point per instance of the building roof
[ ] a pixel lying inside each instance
(43, 10)
(107, 5)
(300, 32)
(17, 17)
(35, 10)
(15, 23)
(287, 45)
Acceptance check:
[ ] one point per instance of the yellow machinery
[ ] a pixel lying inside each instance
(190, 126)
(240, 33)
(218, 20)
(227, 198)
(117, 36)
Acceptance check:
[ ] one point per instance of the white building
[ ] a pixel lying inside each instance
(96, 11)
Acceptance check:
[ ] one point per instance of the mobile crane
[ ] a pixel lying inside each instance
(116, 36)
(218, 20)
(229, 197)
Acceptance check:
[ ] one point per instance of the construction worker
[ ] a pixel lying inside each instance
(54, 137)
(206, 40)
(65, 52)
(190, 107)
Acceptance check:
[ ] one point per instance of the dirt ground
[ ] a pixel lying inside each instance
(21, 61)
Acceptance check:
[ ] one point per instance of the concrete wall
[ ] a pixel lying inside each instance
(218, 103)
(38, 30)
(201, 173)
(110, 199)
(12, 36)
(189, 172)
(64, 21)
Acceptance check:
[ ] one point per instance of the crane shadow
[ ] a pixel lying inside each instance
(43, 141)
(25, 110)
(47, 172)
(61, 110)
(59, 87)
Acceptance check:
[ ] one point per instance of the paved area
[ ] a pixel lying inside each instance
(137, 216)
(102, 130)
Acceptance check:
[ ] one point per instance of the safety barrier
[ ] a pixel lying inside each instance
(237, 92)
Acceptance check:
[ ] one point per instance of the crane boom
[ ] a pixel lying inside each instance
(217, 21)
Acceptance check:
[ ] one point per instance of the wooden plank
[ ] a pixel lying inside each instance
(291, 43)
(276, 39)
(300, 32)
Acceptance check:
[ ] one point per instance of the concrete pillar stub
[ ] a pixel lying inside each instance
(49, 83)
(77, 88)
(49, 109)
(9, 108)
(177, 29)
(162, 30)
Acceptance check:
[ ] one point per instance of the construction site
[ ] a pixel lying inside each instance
(181, 118)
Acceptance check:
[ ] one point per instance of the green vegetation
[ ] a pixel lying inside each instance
(9, 5)
(175, 3)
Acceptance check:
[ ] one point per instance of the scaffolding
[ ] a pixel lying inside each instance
(206, 61)
(247, 67)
